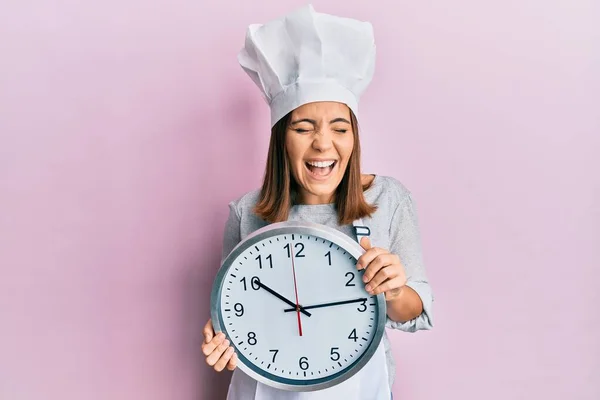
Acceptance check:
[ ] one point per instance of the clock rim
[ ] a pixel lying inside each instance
(309, 229)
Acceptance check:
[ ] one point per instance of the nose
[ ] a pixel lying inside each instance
(322, 141)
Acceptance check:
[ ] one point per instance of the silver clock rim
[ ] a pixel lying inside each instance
(308, 228)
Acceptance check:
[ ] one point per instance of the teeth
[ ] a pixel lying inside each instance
(321, 164)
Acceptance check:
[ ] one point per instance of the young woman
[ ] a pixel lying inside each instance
(312, 69)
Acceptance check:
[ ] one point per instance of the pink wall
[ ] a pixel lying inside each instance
(127, 126)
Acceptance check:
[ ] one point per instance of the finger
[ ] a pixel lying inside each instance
(217, 353)
(365, 242)
(208, 348)
(387, 262)
(381, 261)
(391, 287)
(383, 276)
(208, 331)
(232, 364)
(224, 360)
(364, 260)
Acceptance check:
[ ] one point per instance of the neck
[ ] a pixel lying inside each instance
(311, 199)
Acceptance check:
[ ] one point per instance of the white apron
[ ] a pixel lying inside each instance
(370, 383)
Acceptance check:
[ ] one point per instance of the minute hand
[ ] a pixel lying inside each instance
(335, 303)
(280, 297)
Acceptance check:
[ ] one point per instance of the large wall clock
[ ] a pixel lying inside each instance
(293, 304)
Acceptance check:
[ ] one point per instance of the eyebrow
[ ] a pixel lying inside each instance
(333, 121)
(312, 121)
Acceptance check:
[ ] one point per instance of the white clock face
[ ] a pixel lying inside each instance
(323, 341)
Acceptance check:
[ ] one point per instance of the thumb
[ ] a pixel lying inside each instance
(208, 331)
(365, 243)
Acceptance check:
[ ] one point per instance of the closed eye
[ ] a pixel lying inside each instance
(308, 130)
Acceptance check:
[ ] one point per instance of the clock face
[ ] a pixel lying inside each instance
(324, 340)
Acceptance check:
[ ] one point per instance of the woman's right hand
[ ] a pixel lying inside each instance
(219, 354)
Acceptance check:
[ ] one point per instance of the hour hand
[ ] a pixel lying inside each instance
(335, 303)
(280, 297)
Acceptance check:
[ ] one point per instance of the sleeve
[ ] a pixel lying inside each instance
(231, 235)
(405, 241)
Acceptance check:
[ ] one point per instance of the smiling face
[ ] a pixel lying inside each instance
(319, 141)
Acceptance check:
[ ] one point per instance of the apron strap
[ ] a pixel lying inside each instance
(360, 229)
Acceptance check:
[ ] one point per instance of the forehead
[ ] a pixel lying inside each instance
(322, 110)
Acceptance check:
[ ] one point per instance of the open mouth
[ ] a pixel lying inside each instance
(320, 169)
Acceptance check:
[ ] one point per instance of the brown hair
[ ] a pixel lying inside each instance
(280, 190)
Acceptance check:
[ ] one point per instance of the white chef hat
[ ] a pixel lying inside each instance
(307, 56)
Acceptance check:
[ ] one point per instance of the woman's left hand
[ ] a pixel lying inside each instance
(384, 273)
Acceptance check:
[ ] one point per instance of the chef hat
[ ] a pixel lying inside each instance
(307, 56)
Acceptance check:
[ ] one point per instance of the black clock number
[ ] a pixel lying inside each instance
(328, 255)
(303, 363)
(298, 253)
(334, 354)
(252, 338)
(362, 304)
(259, 258)
(351, 275)
(274, 354)
(352, 335)
(239, 309)
(254, 283)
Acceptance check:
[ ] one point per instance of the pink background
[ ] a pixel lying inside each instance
(126, 127)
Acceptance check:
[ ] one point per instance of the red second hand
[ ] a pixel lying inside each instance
(296, 291)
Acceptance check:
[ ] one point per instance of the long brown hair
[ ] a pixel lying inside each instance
(280, 190)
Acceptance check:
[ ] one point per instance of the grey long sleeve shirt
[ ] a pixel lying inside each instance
(394, 226)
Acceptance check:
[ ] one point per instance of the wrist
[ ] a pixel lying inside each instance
(405, 306)
(394, 294)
